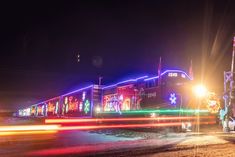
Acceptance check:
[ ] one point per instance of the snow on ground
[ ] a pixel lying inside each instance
(18, 121)
(65, 141)
(133, 133)
(104, 149)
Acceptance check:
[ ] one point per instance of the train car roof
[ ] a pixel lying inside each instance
(169, 71)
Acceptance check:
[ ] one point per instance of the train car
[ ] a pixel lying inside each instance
(78, 103)
(52, 107)
(33, 109)
(122, 96)
(82, 102)
(26, 112)
(41, 110)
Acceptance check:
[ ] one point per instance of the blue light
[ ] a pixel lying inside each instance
(172, 98)
(130, 80)
(180, 71)
(151, 78)
(78, 90)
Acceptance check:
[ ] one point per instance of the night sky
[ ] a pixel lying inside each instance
(40, 41)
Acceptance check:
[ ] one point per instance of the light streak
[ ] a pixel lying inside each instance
(10, 133)
(160, 111)
(77, 120)
(118, 126)
(29, 128)
(49, 129)
(169, 124)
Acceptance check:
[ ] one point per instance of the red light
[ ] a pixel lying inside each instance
(77, 120)
(128, 126)
(29, 127)
(10, 133)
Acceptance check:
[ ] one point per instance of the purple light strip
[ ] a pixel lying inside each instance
(78, 90)
(156, 77)
(130, 80)
(151, 78)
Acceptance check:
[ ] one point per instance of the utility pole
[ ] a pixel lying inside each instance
(228, 90)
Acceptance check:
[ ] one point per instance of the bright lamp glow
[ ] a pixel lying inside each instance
(200, 90)
(98, 109)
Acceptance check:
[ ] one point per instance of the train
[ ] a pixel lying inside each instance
(149, 95)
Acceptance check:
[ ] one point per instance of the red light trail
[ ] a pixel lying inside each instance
(47, 129)
(128, 126)
(29, 127)
(50, 121)
(10, 133)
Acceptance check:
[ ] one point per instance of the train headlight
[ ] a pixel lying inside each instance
(200, 91)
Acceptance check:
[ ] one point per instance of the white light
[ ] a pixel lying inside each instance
(152, 115)
(200, 90)
(172, 74)
(121, 97)
(78, 57)
(83, 96)
(98, 109)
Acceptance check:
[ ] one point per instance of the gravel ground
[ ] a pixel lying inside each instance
(219, 150)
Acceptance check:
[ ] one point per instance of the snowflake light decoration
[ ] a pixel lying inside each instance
(172, 98)
(87, 106)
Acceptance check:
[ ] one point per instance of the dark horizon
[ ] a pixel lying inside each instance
(40, 42)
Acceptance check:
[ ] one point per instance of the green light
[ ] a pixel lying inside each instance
(166, 111)
(87, 106)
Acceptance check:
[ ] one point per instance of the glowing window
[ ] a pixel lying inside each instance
(172, 74)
